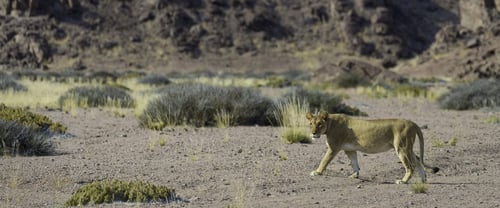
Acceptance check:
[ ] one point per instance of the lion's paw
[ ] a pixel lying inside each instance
(401, 182)
(354, 175)
(315, 173)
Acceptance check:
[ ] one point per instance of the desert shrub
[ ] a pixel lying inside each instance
(35, 121)
(318, 100)
(8, 83)
(99, 192)
(350, 80)
(16, 138)
(198, 105)
(406, 90)
(87, 96)
(478, 94)
(154, 79)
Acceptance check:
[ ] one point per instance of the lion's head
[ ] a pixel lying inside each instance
(317, 123)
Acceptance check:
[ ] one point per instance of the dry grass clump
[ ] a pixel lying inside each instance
(290, 115)
(199, 105)
(18, 139)
(96, 96)
(318, 100)
(100, 192)
(481, 93)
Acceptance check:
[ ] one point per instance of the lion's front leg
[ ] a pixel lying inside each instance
(353, 156)
(325, 161)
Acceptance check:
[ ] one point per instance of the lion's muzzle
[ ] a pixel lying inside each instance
(315, 136)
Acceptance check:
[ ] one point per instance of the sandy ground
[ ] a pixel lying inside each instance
(251, 167)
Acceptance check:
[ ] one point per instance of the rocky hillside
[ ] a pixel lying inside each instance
(251, 35)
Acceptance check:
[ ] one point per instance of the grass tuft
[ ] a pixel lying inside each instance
(322, 101)
(223, 119)
(290, 117)
(453, 141)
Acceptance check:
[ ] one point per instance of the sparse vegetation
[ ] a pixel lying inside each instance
(322, 101)
(481, 93)
(453, 141)
(36, 121)
(87, 96)
(440, 144)
(120, 191)
(17, 139)
(198, 105)
(162, 141)
(437, 143)
(399, 91)
(154, 79)
(492, 119)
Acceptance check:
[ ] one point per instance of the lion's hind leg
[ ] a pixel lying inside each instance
(409, 170)
(407, 158)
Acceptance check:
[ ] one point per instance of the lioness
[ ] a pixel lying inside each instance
(369, 136)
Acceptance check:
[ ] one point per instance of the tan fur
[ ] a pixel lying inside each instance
(369, 136)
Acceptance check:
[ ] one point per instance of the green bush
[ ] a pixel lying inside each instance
(16, 138)
(198, 105)
(321, 101)
(478, 94)
(86, 96)
(36, 121)
(8, 83)
(100, 192)
(154, 79)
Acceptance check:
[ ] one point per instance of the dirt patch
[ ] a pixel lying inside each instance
(211, 167)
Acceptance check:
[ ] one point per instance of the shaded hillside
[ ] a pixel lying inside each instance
(225, 34)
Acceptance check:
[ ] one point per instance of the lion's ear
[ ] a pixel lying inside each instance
(309, 116)
(323, 115)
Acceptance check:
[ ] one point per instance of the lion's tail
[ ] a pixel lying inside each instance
(421, 141)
